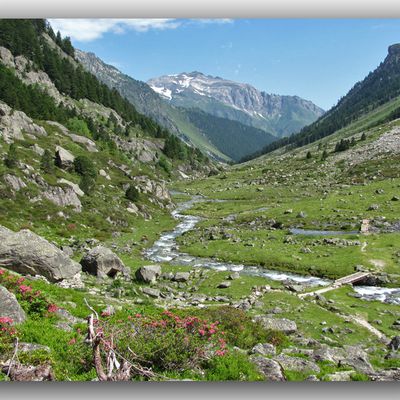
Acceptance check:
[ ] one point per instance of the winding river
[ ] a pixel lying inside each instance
(166, 249)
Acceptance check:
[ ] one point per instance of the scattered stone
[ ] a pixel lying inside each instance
(264, 349)
(29, 254)
(270, 369)
(14, 182)
(277, 324)
(148, 273)
(181, 276)
(224, 285)
(234, 275)
(29, 373)
(102, 262)
(9, 306)
(29, 347)
(151, 292)
(301, 214)
(373, 207)
(395, 198)
(296, 364)
(340, 376)
(394, 343)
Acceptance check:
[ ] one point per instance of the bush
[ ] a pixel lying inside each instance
(132, 193)
(232, 367)
(84, 166)
(47, 162)
(11, 159)
(163, 342)
(238, 326)
(32, 301)
(87, 184)
(164, 164)
(79, 126)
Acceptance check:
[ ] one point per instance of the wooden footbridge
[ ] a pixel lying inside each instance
(345, 280)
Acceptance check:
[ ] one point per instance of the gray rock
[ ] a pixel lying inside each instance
(301, 214)
(151, 292)
(394, 343)
(340, 376)
(224, 285)
(296, 364)
(102, 262)
(353, 356)
(277, 324)
(89, 144)
(234, 275)
(14, 182)
(63, 197)
(181, 277)
(29, 373)
(148, 273)
(264, 349)
(73, 186)
(9, 306)
(373, 207)
(29, 254)
(64, 159)
(270, 369)
(29, 347)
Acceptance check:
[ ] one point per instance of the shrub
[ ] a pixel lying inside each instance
(77, 125)
(32, 301)
(87, 184)
(238, 326)
(232, 367)
(163, 342)
(164, 164)
(11, 159)
(84, 166)
(132, 193)
(47, 162)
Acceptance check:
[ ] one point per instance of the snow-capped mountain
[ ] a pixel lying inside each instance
(281, 115)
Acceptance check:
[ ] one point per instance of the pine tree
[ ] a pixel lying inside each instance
(324, 155)
(308, 156)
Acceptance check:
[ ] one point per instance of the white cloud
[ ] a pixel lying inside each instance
(85, 30)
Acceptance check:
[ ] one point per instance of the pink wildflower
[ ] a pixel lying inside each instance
(52, 308)
(24, 289)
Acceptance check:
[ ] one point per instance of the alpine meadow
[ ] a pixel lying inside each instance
(160, 222)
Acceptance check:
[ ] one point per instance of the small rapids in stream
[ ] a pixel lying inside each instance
(165, 249)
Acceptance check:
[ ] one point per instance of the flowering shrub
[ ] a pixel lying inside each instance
(7, 334)
(166, 342)
(239, 328)
(32, 301)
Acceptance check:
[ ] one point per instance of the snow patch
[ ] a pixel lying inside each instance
(163, 91)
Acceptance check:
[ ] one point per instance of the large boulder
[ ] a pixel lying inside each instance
(63, 197)
(30, 254)
(148, 273)
(277, 324)
(14, 182)
(353, 356)
(64, 159)
(9, 307)
(298, 364)
(270, 369)
(102, 262)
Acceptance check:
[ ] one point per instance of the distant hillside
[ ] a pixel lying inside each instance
(237, 140)
(379, 87)
(279, 115)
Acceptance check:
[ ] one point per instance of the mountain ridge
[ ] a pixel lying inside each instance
(278, 114)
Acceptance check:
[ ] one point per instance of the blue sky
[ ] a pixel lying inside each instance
(317, 59)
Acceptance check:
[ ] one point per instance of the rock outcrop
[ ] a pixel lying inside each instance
(148, 273)
(29, 254)
(102, 262)
(9, 306)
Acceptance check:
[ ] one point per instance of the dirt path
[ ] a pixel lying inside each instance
(362, 322)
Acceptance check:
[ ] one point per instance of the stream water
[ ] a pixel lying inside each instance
(166, 249)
